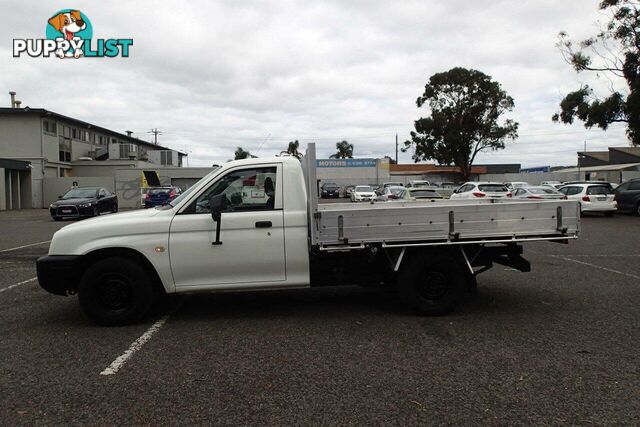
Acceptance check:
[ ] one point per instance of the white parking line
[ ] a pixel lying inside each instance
(15, 285)
(610, 270)
(24, 246)
(135, 346)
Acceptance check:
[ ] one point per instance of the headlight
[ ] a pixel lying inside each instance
(85, 205)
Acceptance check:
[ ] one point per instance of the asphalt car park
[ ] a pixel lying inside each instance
(558, 345)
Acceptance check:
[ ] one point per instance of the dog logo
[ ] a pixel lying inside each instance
(68, 24)
(69, 34)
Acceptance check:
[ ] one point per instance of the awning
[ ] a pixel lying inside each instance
(604, 168)
(14, 164)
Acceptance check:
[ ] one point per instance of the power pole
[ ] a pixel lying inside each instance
(155, 133)
(396, 148)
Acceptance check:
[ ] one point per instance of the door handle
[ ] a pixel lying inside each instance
(263, 224)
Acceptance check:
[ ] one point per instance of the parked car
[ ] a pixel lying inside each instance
(83, 203)
(348, 190)
(537, 193)
(159, 196)
(423, 193)
(517, 184)
(627, 195)
(593, 197)
(473, 190)
(392, 192)
(363, 193)
(329, 189)
(381, 189)
(418, 183)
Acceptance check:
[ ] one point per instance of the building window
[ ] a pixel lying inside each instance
(64, 149)
(66, 131)
(127, 151)
(166, 158)
(50, 127)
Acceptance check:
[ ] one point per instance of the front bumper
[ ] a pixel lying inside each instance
(59, 274)
(72, 212)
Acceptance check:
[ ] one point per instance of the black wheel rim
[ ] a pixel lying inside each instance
(433, 286)
(115, 292)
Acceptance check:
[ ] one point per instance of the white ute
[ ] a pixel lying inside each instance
(256, 224)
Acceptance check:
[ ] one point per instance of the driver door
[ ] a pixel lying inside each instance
(252, 233)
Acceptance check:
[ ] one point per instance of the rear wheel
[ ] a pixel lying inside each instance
(115, 291)
(432, 286)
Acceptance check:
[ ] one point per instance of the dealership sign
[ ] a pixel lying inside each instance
(346, 163)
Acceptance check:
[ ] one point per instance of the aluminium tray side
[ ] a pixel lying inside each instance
(423, 221)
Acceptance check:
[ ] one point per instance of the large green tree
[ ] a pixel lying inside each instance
(615, 52)
(345, 151)
(466, 107)
(241, 153)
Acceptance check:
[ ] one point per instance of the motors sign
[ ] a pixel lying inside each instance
(346, 163)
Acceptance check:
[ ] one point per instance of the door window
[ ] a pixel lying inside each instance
(246, 190)
(634, 185)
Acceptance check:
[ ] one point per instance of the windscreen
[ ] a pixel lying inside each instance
(541, 190)
(190, 189)
(493, 188)
(154, 191)
(363, 188)
(80, 193)
(424, 193)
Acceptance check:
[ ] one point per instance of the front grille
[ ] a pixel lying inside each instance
(67, 211)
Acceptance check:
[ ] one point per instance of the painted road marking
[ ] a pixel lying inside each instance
(135, 346)
(611, 270)
(15, 285)
(24, 246)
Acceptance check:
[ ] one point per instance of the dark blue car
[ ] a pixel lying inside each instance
(160, 196)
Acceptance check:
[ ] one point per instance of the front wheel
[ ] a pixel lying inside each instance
(433, 286)
(114, 208)
(638, 209)
(115, 291)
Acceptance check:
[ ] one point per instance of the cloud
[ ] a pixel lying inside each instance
(216, 75)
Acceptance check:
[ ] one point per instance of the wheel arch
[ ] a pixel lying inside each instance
(122, 252)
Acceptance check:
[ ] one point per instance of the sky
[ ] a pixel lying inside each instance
(214, 75)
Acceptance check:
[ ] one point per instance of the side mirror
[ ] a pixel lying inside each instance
(217, 204)
(100, 196)
(59, 197)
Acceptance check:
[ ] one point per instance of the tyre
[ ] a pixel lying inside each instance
(114, 208)
(638, 209)
(115, 291)
(96, 211)
(432, 285)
